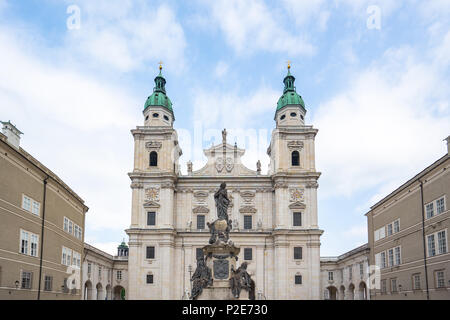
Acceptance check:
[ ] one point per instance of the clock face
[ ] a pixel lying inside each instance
(297, 195)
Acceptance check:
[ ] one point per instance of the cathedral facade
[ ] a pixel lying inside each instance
(274, 215)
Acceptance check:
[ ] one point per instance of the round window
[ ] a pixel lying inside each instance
(146, 118)
(282, 117)
(166, 118)
(302, 117)
(155, 115)
(293, 114)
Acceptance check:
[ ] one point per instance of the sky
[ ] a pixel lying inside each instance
(374, 75)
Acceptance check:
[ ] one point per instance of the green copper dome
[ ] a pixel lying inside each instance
(159, 96)
(290, 96)
(123, 245)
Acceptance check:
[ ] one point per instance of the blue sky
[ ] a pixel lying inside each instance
(379, 96)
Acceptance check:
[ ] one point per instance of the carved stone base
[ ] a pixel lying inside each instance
(221, 293)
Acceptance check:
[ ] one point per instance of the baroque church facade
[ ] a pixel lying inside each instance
(274, 215)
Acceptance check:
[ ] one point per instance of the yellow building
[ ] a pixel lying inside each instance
(41, 227)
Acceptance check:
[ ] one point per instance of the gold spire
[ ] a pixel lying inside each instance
(160, 65)
(288, 64)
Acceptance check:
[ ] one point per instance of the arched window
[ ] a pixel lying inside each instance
(295, 158)
(153, 159)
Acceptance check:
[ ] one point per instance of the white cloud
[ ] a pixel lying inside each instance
(126, 35)
(74, 124)
(221, 69)
(251, 26)
(386, 126)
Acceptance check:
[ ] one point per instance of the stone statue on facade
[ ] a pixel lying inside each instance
(258, 166)
(241, 279)
(189, 166)
(200, 279)
(224, 136)
(222, 202)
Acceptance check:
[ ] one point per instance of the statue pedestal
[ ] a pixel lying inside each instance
(220, 258)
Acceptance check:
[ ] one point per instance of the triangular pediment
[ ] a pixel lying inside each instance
(151, 204)
(200, 209)
(297, 205)
(247, 209)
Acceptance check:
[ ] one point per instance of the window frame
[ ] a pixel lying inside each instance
(248, 217)
(149, 214)
(48, 283)
(298, 276)
(200, 226)
(30, 280)
(299, 215)
(296, 252)
(247, 252)
(147, 255)
(297, 158)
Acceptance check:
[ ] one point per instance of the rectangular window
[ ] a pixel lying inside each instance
(440, 281)
(150, 253)
(247, 222)
(361, 269)
(99, 272)
(391, 257)
(66, 224)
(389, 229)
(35, 208)
(66, 256)
(297, 219)
(383, 286)
(199, 253)
(149, 278)
(380, 233)
(34, 245)
(416, 281)
(397, 256)
(298, 253)
(298, 279)
(119, 275)
(70, 226)
(89, 270)
(442, 242)
(26, 203)
(330, 276)
(431, 245)
(440, 206)
(76, 259)
(48, 283)
(248, 254)
(24, 238)
(200, 222)
(396, 226)
(429, 210)
(393, 285)
(151, 218)
(350, 272)
(27, 278)
(383, 259)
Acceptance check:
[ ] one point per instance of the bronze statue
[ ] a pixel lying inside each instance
(240, 279)
(222, 202)
(200, 279)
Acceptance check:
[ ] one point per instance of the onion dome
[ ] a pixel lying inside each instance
(159, 97)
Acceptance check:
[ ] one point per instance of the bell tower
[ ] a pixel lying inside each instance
(294, 178)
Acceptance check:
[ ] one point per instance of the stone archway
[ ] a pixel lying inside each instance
(100, 293)
(342, 293)
(88, 290)
(332, 293)
(119, 293)
(108, 292)
(362, 291)
(351, 291)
